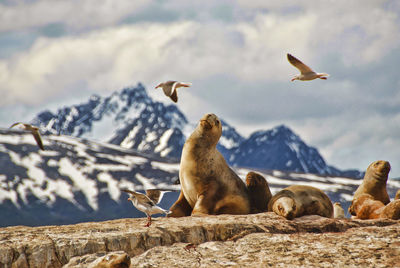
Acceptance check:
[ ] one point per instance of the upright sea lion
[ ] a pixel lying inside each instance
(374, 183)
(300, 200)
(338, 211)
(208, 185)
(259, 192)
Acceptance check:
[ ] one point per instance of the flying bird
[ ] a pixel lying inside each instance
(34, 130)
(170, 88)
(306, 73)
(147, 202)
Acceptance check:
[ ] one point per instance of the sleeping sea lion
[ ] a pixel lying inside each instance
(300, 200)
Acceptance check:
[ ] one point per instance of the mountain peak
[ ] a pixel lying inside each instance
(132, 119)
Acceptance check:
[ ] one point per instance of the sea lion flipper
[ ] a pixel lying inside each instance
(180, 208)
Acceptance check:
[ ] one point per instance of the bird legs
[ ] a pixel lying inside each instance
(148, 221)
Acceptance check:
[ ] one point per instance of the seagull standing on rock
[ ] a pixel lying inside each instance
(170, 88)
(147, 202)
(306, 73)
(34, 130)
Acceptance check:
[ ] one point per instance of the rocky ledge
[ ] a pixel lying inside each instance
(257, 240)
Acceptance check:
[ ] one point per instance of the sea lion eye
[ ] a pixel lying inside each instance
(217, 123)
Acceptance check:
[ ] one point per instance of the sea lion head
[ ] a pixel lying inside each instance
(254, 179)
(286, 207)
(379, 170)
(210, 127)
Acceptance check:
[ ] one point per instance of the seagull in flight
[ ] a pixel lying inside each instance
(147, 202)
(34, 130)
(306, 73)
(170, 88)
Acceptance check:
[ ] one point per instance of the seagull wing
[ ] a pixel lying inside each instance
(128, 191)
(141, 197)
(174, 96)
(13, 125)
(144, 199)
(299, 64)
(182, 84)
(155, 195)
(38, 139)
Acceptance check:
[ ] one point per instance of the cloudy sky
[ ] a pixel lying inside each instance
(55, 53)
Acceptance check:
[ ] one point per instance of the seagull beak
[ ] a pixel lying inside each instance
(294, 78)
(158, 86)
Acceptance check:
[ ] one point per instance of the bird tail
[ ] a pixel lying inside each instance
(167, 212)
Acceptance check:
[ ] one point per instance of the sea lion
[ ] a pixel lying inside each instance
(391, 210)
(366, 207)
(338, 211)
(208, 185)
(259, 192)
(397, 196)
(374, 183)
(299, 200)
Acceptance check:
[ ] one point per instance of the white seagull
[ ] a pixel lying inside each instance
(147, 202)
(34, 130)
(338, 211)
(170, 88)
(306, 73)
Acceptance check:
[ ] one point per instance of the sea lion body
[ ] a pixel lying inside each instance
(365, 207)
(391, 210)
(374, 183)
(300, 200)
(208, 184)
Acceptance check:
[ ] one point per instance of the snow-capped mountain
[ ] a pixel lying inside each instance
(77, 180)
(131, 119)
(280, 148)
(73, 180)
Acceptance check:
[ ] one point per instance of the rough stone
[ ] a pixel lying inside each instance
(220, 241)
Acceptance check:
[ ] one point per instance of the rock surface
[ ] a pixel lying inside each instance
(257, 240)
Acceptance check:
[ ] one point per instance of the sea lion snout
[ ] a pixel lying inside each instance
(208, 121)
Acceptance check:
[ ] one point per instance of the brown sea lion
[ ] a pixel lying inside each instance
(374, 183)
(366, 207)
(338, 211)
(300, 200)
(208, 185)
(391, 210)
(259, 192)
(397, 196)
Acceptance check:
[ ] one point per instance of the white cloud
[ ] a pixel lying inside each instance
(77, 14)
(235, 56)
